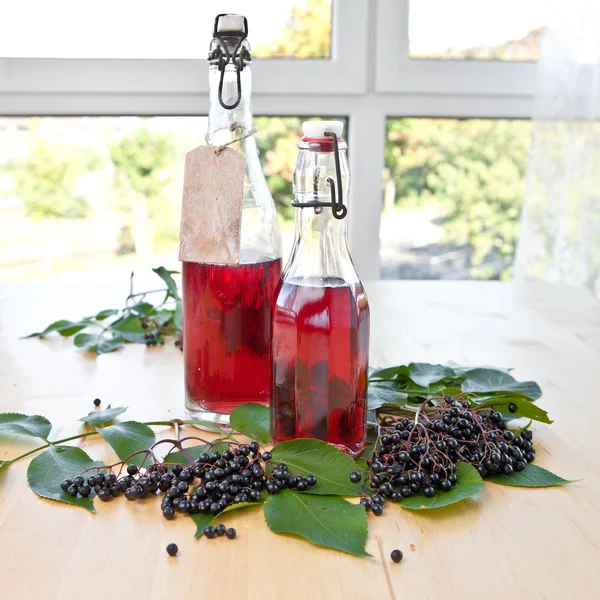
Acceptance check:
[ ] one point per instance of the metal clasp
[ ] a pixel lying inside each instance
(238, 57)
(337, 201)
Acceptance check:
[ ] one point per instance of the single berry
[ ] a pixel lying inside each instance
(267, 456)
(220, 529)
(355, 477)
(85, 491)
(97, 402)
(132, 469)
(168, 512)
(72, 490)
(78, 480)
(209, 532)
(231, 533)
(396, 555)
(429, 491)
(512, 408)
(104, 495)
(172, 549)
(66, 484)
(377, 509)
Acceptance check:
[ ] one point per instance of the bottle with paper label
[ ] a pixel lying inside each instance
(320, 312)
(229, 244)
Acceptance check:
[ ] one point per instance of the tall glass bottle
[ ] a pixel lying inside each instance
(226, 308)
(320, 312)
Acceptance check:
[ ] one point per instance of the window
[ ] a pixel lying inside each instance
(452, 200)
(471, 29)
(77, 197)
(145, 29)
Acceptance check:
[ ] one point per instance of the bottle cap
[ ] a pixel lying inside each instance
(317, 129)
(230, 24)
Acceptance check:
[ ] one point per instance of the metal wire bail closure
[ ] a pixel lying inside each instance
(337, 201)
(238, 58)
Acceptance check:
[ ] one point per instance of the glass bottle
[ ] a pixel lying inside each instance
(226, 307)
(320, 312)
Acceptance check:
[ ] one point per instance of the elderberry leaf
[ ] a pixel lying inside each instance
(331, 467)
(253, 420)
(143, 309)
(33, 426)
(531, 476)
(98, 344)
(201, 521)
(525, 408)
(485, 381)
(130, 329)
(424, 374)
(400, 372)
(64, 328)
(165, 275)
(327, 521)
(104, 314)
(179, 458)
(127, 438)
(469, 484)
(101, 417)
(379, 396)
(46, 471)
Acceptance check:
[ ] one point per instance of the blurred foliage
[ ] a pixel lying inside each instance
(47, 179)
(474, 170)
(307, 35)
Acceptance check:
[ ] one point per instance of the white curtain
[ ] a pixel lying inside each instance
(560, 229)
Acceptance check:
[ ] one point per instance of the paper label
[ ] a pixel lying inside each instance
(211, 210)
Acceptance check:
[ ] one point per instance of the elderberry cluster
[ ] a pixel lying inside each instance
(210, 484)
(419, 456)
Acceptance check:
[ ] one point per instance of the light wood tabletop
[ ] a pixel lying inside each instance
(507, 543)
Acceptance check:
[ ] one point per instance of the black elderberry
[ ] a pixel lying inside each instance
(231, 533)
(215, 508)
(220, 529)
(396, 555)
(85, 490)
(97, 402)
(301, 486)
(104, 495)
(168, 512)
(519, 465)
(403, 457)
(209, 532)
(66, 484)
(172, 549)
(512, 408)
(72, 490)
(267, 456)
(366, 502)
(428, 491)
(78, 480)
(445, 485)
(176, 469)
(132, 469)
(183, 487)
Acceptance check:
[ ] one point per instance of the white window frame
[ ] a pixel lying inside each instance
(369, 78)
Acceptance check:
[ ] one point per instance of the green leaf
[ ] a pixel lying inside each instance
(398, 372)
(203, 519)
(194, 452)
(532, 476)
(525, 408)
(379, 396)
(127, 438)
(326, 521)
(33, 426)
(165, 275)
(130, 329)
(462, 370)
(482, 381)
(104, 314)
(100, 417)
(253, 420)
(98, 343)
(331, 467)
(65, 328)
(143, 309)
(46, 471)
(469, 484)
(424, 374)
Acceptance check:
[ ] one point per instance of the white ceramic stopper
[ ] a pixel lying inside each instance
(317, 129)
(230, 23)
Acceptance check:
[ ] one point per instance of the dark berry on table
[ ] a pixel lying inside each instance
(132, 469)
(220, 529)
(209, 531)
(231, 533)
(377, 510)
(172, 549)
(104, 495)
(355, 477)
(97, 402)
(168, 512)
(366, 502)
(397, 555)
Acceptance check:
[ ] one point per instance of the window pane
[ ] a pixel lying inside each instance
(452, 201)
(153, 29)
(473, 29)
(95, 197)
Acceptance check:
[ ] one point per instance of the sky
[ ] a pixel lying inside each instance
(183, 28)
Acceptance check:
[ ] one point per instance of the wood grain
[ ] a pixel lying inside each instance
(509, 542)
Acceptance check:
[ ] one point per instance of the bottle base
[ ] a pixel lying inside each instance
(195, 412)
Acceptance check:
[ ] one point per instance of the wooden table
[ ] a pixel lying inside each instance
(508, 543)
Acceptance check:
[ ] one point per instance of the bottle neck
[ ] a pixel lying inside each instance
(225, 125)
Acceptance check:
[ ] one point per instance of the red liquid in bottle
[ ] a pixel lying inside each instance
(320, 356)
(227, 333)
